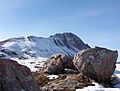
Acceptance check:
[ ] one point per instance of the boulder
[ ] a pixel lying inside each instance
(54, 65)
(96, 63)
(16, 77)
(57, 63)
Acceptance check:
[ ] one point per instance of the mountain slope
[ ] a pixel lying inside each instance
(32, 46)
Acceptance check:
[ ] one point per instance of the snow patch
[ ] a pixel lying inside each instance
(51, 77)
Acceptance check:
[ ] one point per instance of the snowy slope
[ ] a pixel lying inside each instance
(32, 46)
(35, 64)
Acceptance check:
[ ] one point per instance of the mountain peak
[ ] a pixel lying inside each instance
(32, 46)
(63, 34)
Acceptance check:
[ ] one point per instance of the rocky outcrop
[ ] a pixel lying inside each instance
(57, 64)
(96, 63)
(64, 82)
(16, 77)
(70, 40)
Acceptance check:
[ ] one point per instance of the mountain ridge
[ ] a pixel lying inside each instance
(32, 46)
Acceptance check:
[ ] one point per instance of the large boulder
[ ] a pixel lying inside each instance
(57, 64)
(96, 63)
(16, 77)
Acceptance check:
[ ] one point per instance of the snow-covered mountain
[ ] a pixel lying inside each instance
(32, 51)
(32, 46)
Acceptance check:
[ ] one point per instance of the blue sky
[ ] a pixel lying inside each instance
(96, 22)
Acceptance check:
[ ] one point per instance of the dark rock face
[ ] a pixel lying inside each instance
(70, 40)
(57, 63)
(15, 77)
(96, 63)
